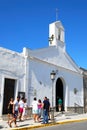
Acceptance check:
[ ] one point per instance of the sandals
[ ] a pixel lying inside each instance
(9, 123)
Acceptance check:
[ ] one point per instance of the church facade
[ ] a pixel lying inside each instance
(28, 73)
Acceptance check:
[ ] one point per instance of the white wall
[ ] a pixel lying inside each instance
(12, 66)
(72, 80)
(39, 80)
(40, 84)
(33, 77)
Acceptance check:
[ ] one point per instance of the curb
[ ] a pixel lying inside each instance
(50, 124)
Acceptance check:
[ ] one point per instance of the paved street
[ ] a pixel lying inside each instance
(71, 126)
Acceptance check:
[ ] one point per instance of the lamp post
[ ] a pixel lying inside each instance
(52, 76)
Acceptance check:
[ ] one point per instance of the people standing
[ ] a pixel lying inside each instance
(39, 110)
(15, 112)
(60, 104)
(25, 110)
(21, 107)
(46, 107)
(10, 109)
(35, 109)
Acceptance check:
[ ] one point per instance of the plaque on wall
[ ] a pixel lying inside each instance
(21, 94)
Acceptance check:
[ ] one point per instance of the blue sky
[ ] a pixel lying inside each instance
(25, 23)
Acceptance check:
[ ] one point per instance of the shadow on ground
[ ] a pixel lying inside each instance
(1, 127)
(23, 125)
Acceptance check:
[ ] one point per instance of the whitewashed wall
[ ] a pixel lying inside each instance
(39, 81)
(72, 80)
(33, 75)
(40, 84)
(41, 63)
(12, 66)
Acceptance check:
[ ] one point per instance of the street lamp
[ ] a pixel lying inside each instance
(52, 76)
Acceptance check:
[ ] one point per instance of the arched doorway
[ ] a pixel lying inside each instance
(59, 92)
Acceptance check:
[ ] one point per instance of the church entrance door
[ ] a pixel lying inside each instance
(59, 92)
(9, 86)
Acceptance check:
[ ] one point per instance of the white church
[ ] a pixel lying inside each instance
(28, 73)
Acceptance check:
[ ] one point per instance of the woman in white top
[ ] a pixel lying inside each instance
(35, 109)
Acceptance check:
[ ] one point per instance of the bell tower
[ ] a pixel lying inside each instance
(56, 34)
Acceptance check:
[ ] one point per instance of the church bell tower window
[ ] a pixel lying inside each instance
(60, 35)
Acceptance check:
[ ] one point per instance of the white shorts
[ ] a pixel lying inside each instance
(35, 111)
